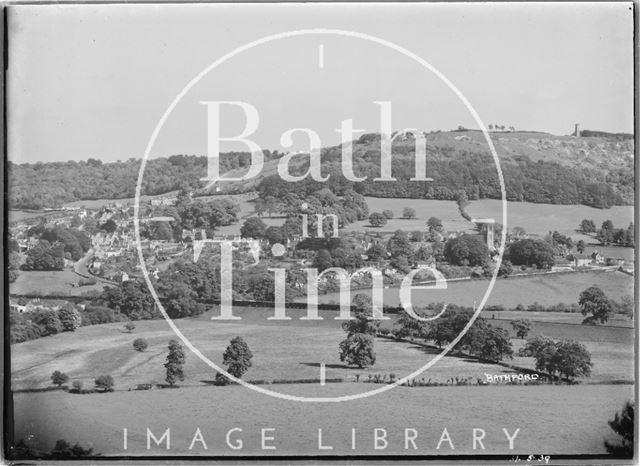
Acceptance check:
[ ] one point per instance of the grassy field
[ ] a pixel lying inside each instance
(291, 350)
(556, 317)
(545, 289)
(107, 349)
(56, 282)
(552, 420)
(447, 211)
(564, 218)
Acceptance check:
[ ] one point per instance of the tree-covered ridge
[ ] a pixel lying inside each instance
(537, 167)
(34, 186)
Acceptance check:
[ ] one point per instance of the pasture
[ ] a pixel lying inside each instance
(563, 218)
(447, 211)
(290, 350)
(56, 282)
(575, 318)
(293, 350)
(553, 420)
(546, 289)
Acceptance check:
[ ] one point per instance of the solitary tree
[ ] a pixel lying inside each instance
(175, 363)
(140, 344)
(580, 246)
(593, 301)
(357, 350)
(129, 326)
(58, 378)
(376, 219)
(104, 383)
(408, 212)
(388, 214)
(237, 357)
(521, 327)
(588, 226)
(622, 424)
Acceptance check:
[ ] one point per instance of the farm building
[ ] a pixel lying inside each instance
(580, 260)
(615, 261)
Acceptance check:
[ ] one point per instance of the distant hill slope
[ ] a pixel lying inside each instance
(538, 167)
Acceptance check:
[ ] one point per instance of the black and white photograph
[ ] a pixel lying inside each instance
(297, 232)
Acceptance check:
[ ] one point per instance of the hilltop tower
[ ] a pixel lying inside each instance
(576, 131)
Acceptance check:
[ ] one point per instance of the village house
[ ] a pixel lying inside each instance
(16, 307)
(597, 257)
(580, 260)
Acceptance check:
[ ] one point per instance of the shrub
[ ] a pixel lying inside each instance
(129, 326)
(63, 449)
(388, 214)
(140, 344)
(86, 282)
(104, 383)
(76, 385)
(622, 424)
(58, 378)
(221, 379)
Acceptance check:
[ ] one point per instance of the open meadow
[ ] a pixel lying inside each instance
(55, 282)
(447, 211)
(553, 420)
(563, 218)
(291, 350)
(545, 289)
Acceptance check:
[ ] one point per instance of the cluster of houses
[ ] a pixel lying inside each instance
(38, 304)
(594, 259)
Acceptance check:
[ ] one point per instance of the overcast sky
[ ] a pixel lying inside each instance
(93, 80)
